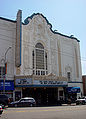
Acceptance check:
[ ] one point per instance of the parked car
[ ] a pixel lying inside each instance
(23, 102)
(1, 110)
(81, 100)
(4, 100)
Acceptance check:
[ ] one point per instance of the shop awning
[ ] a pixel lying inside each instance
(73, 89)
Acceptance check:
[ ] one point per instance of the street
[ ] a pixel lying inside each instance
(57, 112)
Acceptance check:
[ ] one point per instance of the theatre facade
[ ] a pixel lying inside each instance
(46, 64)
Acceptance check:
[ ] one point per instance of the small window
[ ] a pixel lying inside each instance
(2, 72)
(68, 75)
(39, 45)
(33, 58)
(33, 72)
(46, 60)
(46, 72)
(43, 72)
(38, 72)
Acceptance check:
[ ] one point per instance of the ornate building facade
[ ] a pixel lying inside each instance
(43, 63)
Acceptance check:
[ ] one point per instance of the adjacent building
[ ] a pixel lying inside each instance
(37, 61)
(84, 84)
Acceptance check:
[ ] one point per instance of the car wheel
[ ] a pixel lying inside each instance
(0, 112)
(31, 105)
(83, 103)
(15, 105)
(77, 103)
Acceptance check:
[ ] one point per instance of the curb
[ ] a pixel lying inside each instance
(72, 104)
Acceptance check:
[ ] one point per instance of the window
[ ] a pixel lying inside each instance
(22, 100)
(68, 76)
(46, 60)
(33, 59)
(39, 60)
(2, 72)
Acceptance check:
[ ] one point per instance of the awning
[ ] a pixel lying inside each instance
(73, 89)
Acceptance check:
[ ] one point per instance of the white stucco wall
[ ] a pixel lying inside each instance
(39, 31)
(7, 39)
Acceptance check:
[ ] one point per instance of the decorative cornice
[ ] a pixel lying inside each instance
(26, 21)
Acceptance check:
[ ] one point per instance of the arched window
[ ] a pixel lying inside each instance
(39, 60)
(39, 45)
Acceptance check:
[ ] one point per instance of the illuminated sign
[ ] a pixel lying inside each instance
(73, 89)
(9, 85)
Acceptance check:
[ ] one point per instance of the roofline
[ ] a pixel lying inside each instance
(26, 21)
(84, 75)
(72, 37)
(8, 19)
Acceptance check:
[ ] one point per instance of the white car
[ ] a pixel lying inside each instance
(81, 101)
(23, 102)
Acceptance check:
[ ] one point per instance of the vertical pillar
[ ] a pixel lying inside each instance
(59, 59)
(76, 61)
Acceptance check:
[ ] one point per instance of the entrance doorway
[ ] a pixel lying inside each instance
(43, 96)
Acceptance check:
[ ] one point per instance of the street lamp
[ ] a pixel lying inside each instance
(5, 65)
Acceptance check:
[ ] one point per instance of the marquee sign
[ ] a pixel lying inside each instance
(41, 81)
(23, 81)
(49, 82)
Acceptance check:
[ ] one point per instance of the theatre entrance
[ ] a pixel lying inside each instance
(43, 96)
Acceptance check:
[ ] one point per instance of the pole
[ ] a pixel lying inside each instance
(5, 65)
(4, 85)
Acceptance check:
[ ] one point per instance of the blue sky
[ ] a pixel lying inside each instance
(66, 16)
